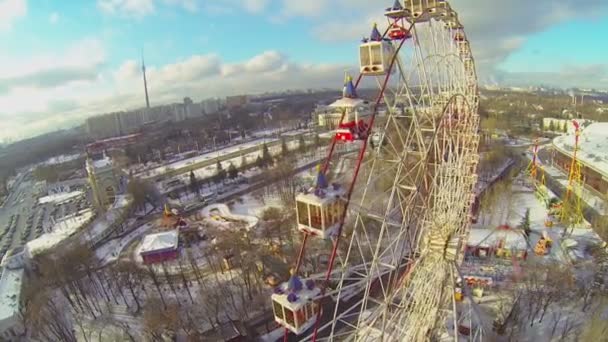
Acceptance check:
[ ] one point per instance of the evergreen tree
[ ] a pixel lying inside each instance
(259, 162)
(232, 171)
(221, 173)
(193, 182)
(243, 165)
(525, 223)
(301, 144)
(266, 157)
(284, 149)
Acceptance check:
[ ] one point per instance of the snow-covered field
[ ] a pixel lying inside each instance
(111, 250)
(222, 152)
(211, 170)
(100, 226)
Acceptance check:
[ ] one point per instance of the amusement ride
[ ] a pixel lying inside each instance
(396, 224)
(536, 172)
(571, 213)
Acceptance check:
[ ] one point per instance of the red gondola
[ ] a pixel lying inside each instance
(397, 32)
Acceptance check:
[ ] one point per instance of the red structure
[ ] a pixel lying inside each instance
(112, 143)
(396, 32)
(351, 131)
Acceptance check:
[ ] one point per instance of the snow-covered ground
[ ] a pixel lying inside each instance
(222, 152)
(100, 226)
(221, 212)
(567, 251)
(111, 250)
(211, 170)
(62, 159)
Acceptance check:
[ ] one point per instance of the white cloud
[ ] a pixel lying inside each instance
(312, 8)
(188, 5)
(198, 76)
(10, 12)
(54, 18)
(127, 8)
(254, 6)
(43, 70)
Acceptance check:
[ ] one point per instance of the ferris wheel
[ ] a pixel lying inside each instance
(397, 222)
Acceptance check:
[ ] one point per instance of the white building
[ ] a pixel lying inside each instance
(14, 258)
(11, 284)
(592, 154)
(103, 181)
(210, 106)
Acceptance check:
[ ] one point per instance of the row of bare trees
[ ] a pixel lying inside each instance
(550, 295)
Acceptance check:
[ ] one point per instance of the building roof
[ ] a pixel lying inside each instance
(159, 242)
(347, 102)
(101, 163)
(593, 146)
(10, 292)
(60, 197)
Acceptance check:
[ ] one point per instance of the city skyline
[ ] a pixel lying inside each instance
(68, 61)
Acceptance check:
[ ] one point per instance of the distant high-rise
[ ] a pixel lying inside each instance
(143, 69)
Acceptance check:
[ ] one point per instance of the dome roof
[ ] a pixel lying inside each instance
(349, 88)
(376, 35)
(321, 180)
(294, 284)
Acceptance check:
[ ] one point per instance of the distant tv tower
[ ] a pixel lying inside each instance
(143, 69)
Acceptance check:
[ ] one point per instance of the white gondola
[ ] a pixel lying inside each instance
(423, 10)
(376, 55)
(451, 21)
(464, 48)
(319, 211)
(294, 305)
(438, 8)
(397, 11)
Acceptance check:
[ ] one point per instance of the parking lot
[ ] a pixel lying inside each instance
(23, 218)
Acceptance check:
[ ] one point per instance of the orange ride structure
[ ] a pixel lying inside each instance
(571, 213)
(537, 174)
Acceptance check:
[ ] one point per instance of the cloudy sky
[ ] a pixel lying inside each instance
(62, 61)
